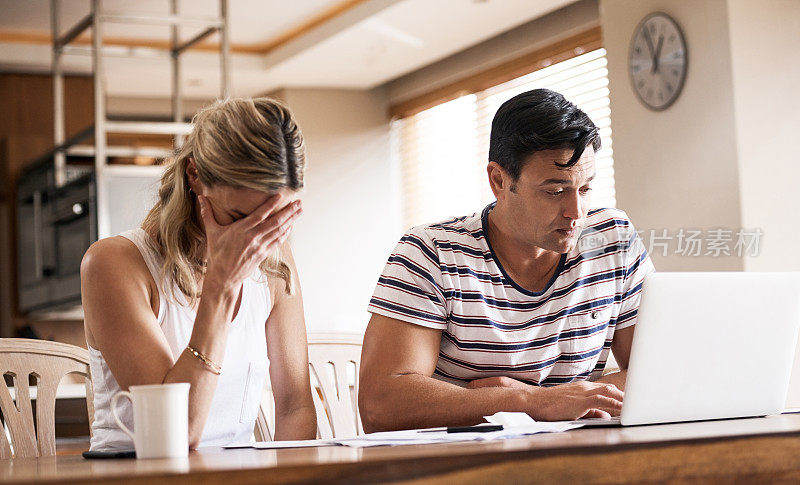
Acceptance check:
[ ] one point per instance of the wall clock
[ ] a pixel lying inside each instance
(657, 61)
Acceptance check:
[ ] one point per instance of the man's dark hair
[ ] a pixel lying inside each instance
(539, 120)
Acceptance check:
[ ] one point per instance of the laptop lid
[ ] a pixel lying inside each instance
(712, 346)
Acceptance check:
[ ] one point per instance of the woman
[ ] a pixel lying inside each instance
(206, 288)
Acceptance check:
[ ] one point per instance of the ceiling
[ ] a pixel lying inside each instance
(303, 43)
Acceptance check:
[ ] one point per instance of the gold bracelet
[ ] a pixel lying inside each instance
(215, 368)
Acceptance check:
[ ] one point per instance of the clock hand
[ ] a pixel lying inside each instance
(657, 55)
(649, 41)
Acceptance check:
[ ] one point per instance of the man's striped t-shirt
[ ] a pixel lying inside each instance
(446, 276)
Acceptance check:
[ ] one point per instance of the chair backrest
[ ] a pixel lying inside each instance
(46, 363)
(334, 361)
(262, 431)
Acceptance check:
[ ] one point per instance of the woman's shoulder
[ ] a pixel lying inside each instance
(115, 255)
(275, 284)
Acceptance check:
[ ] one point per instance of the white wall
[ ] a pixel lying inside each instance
(676, 168)
(351, 219)
(766, 79)
(722, 155)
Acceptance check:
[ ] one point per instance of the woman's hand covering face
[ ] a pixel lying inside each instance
(234, 251)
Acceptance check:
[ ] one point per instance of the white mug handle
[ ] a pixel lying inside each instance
(114, 400)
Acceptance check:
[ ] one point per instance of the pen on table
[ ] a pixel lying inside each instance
(481, 428)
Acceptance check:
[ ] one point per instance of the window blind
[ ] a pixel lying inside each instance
(443, 150)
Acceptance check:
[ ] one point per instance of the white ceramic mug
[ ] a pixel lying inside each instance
(160, 419)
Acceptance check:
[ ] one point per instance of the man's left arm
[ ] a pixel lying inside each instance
(621, 346)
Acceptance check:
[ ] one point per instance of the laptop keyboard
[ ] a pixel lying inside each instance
(598, 422)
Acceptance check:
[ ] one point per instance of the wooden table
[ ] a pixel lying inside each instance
(743, 450)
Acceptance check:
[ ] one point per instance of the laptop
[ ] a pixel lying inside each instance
(710, 346)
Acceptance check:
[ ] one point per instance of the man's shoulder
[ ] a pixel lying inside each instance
(465, 229)
(605, 214)
(604, 227)
(439, 241)
(609, 218)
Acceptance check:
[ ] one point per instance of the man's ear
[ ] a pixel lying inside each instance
(499, 180)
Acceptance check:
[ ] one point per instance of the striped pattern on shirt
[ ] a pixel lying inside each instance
(445, 276)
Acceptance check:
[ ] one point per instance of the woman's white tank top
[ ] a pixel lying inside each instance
(234, 407)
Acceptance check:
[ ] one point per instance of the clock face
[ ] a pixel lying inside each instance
(658, 61)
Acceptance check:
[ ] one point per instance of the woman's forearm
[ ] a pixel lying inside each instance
(296, 424)
(209, 337)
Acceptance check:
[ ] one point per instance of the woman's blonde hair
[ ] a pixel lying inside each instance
(241, 143)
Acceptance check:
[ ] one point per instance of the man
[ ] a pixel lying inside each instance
(515, 308)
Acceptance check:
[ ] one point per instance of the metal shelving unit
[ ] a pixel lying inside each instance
(100, 150)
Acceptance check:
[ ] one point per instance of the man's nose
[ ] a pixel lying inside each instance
(572, 206)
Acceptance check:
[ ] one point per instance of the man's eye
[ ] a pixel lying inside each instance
(586, 190)
(555, 193)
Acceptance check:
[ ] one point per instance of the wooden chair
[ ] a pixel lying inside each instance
(262, 431)
(46, 363)
(333, 361)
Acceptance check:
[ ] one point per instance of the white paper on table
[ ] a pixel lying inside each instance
(367, 443)
(416, 437)
(529, 429)
(274, 445)
(405, 435)
(521, 422)
(510, 419)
